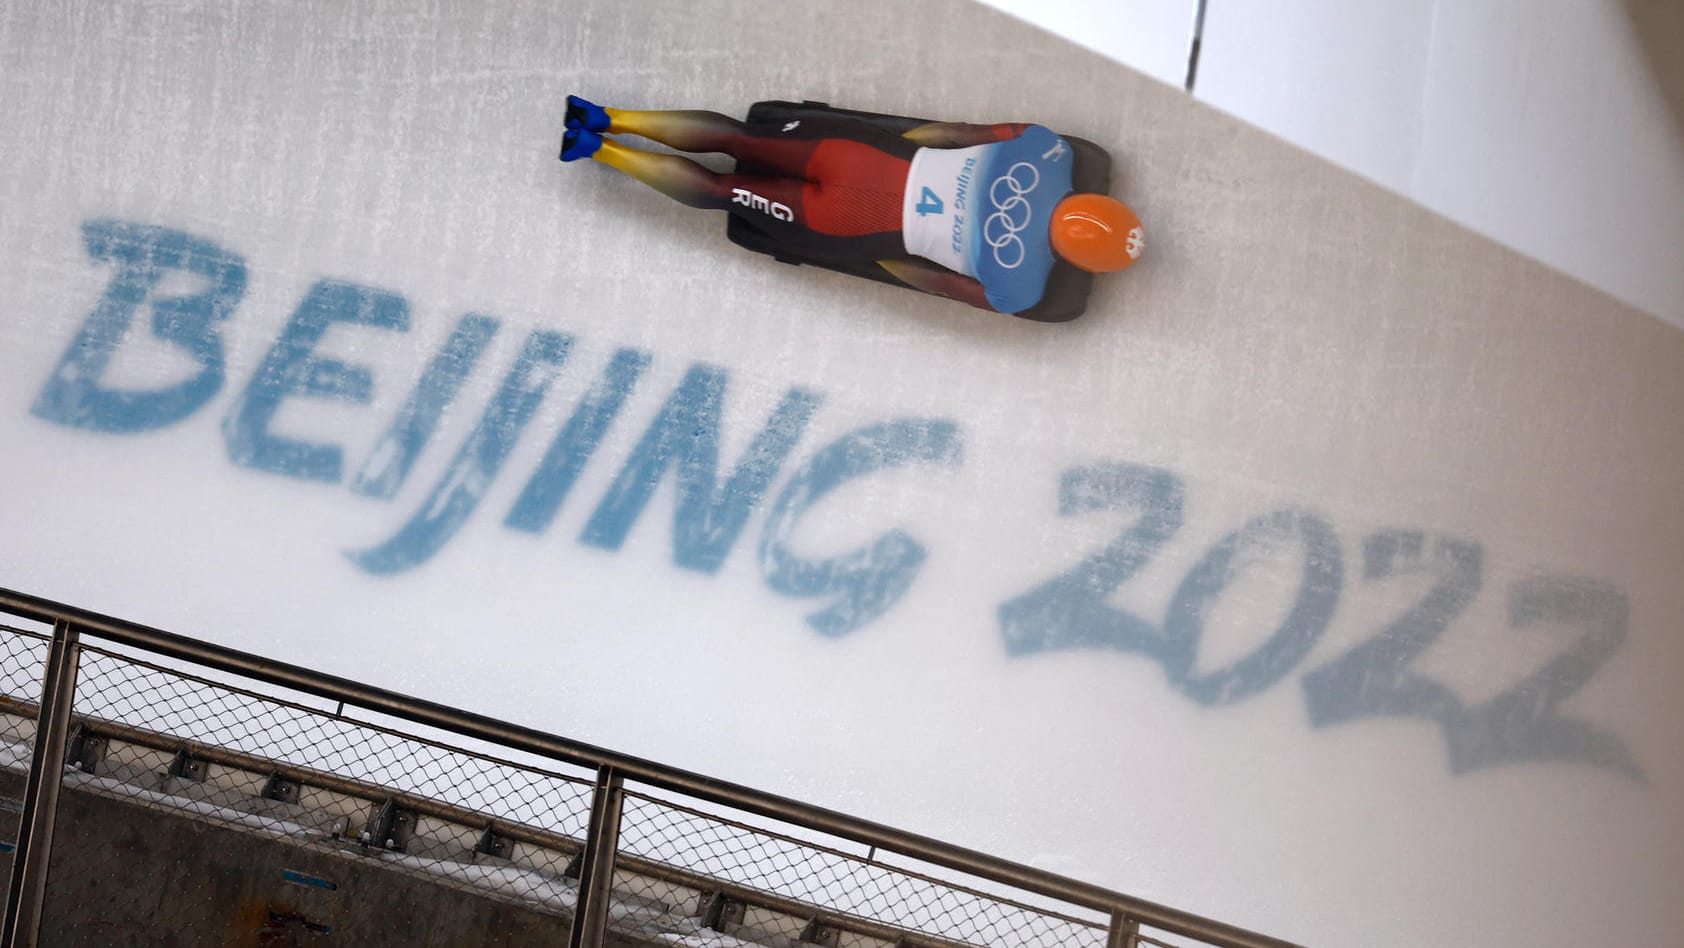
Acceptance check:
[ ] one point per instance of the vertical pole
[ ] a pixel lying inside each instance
(1125, 932)
(596, 871)
(40, 795)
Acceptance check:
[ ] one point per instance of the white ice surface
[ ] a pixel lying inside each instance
(413, 150)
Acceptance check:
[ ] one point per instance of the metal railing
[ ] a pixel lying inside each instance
(604, 841)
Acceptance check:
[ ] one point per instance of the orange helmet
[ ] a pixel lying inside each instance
(1097, 233)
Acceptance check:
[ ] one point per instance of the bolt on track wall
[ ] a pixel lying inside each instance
(1322, 577)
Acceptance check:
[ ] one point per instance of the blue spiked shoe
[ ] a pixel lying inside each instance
(587, 115)
(579, 143)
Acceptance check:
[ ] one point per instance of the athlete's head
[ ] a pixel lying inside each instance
(1097, 233)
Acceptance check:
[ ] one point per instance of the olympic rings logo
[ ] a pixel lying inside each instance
(1012, 213)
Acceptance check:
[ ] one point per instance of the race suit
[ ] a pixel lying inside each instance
(846, 191)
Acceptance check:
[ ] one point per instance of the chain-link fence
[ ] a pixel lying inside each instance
(750, 868)
(306, 772)
(23, 663)
(212, 798)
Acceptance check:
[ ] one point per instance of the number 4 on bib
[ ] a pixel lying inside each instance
(936, 203)
(929, 203)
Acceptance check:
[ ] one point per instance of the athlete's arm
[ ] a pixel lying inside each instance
(960, 135)
(929, 277)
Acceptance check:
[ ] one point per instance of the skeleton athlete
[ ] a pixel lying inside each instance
(978, 213)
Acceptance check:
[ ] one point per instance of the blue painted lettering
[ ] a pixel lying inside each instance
(394, 454)
(1318, 595)
(868, 581)
(458, 491)
(1070, 611)
(576, 443)
(1073, 610)
(291, 368)
(709, 517)
(142, 254)
(1522, 725)
(1372, 679)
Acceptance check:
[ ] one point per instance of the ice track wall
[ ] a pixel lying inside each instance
(1322, 578)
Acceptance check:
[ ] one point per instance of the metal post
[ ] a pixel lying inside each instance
(40, 795)
(1125, 931)
(596, 871)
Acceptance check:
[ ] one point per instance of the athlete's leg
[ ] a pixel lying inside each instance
(783, 148)
(684, 129)
(689, 183)
(700, 131)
